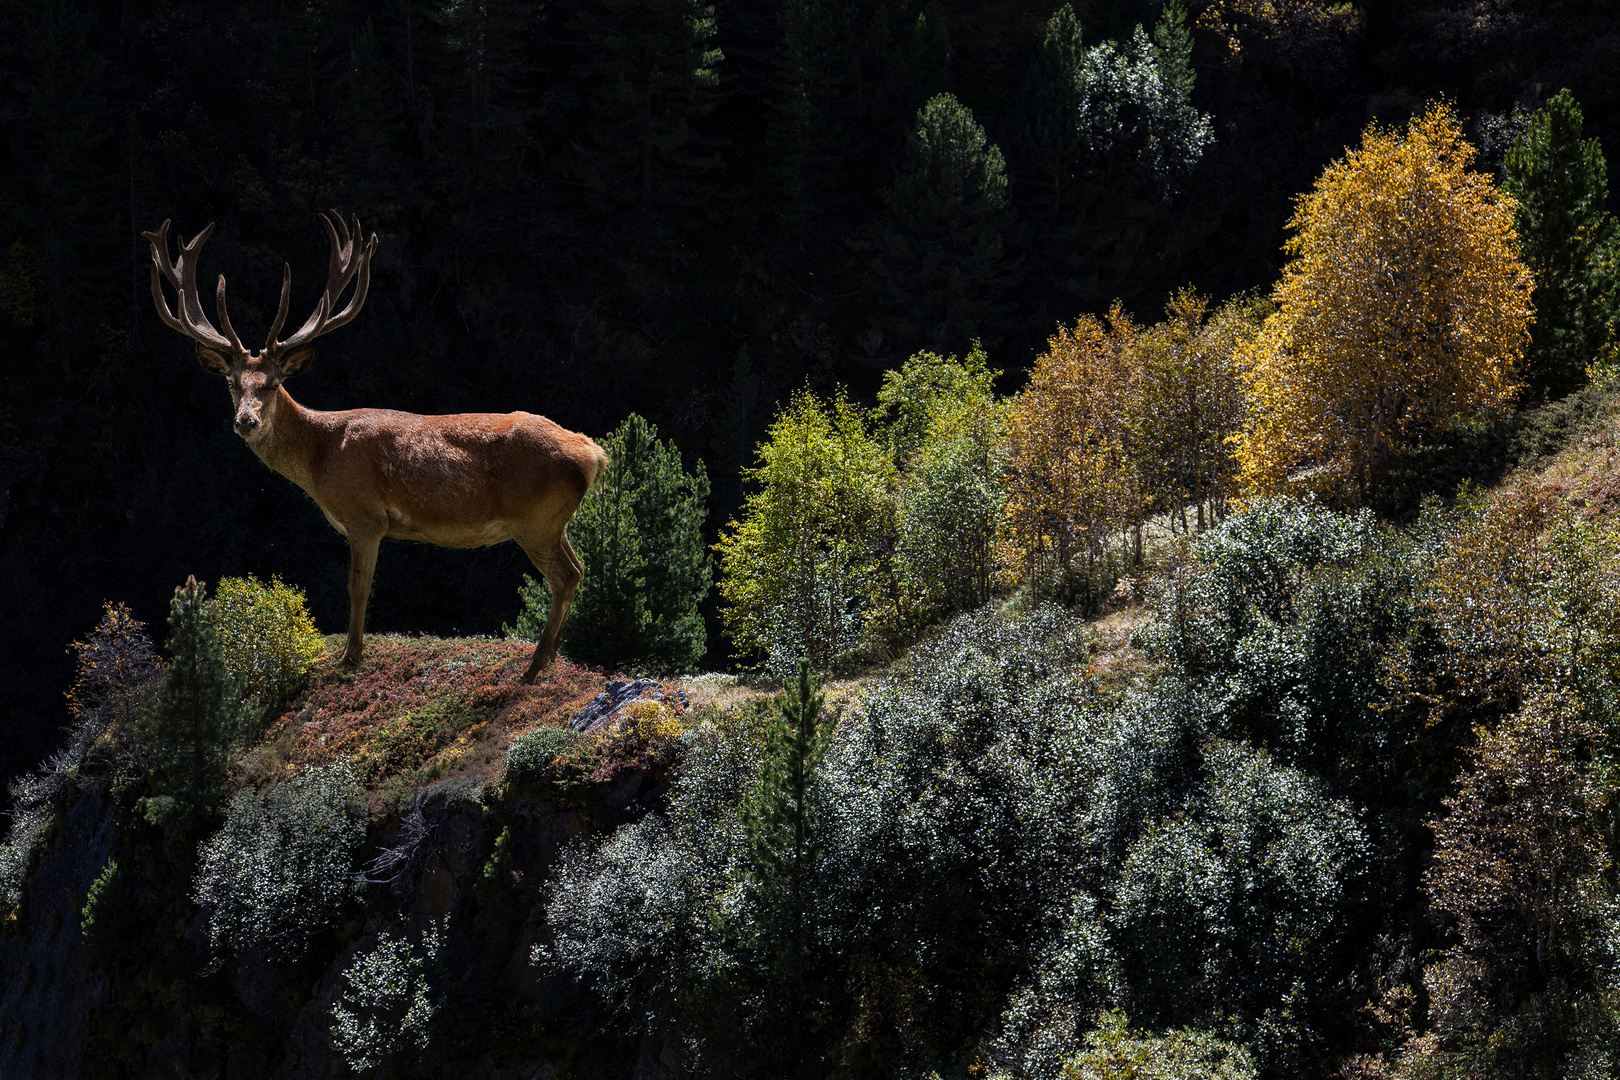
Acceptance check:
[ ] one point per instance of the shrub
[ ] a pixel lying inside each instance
(33, 811)
(185, 733)
(1114, 1052)
(639, 534)
(1234, 906)
(394, 993)
(267, 634)
(116, 670)
(283, 868)
(536, 756)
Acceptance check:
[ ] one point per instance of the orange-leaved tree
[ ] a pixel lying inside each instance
(1405, 309)
(1072, 484)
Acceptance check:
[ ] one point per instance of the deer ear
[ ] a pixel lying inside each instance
(213, 361)
(295, 363)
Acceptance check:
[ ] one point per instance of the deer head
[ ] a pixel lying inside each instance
(255, 378)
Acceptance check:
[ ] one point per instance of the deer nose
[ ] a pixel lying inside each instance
(247, 425)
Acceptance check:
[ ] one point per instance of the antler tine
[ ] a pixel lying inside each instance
(281, 312)
(224, 316)
(359, 264)
(182, 274)
(347, 261)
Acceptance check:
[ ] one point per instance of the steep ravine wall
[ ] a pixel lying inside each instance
(143, 998)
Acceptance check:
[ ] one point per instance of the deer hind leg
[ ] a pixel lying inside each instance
(561, 568)
(362, 564)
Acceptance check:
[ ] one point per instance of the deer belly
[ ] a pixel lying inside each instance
(461, 534)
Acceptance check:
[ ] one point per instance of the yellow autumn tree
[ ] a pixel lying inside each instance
(1405, 309)
(1072, 486)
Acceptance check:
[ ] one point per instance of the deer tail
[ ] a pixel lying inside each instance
(598, 464)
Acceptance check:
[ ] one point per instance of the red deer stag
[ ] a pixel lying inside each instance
(461, 481)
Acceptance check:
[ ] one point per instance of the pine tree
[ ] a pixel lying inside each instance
(941, 267)
(371, 156)
(780, 818)
(185, 735)
(653, 74)
(1048, 105)
(485, 67)
(63, 125)
(1568, 239)
(639, 533)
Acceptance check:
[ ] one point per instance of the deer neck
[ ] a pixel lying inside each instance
(289, 439)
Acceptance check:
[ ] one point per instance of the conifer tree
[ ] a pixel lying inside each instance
(484, 69)
(780, 818)
(653, 73)
(186, 733)
(371, 156)
(639, 534)
(1049, 106)
(941, 267)
(1568, 240)
(62, 123)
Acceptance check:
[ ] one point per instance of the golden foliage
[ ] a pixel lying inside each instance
(1405, 307)
(269, 638)
(1071, 485)
(116, 667)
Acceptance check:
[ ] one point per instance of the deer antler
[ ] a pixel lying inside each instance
(349, 260)
(182, 275)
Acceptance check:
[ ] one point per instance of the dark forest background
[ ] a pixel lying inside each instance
(588, 208)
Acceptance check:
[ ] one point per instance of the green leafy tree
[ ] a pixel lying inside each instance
(802, 566)
(941, 268)
(639, 533)
(946, 429)
(1568, 239)
(185, 733)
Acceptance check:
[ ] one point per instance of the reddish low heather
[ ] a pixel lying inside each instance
(424, 707)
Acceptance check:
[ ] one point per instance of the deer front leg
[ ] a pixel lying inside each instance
(362, 563)
(560, 567)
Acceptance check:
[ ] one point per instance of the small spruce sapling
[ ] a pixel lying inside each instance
(186, 732)
(639, 534)
(780, 818)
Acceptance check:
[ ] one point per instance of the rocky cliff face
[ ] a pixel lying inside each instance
(138, 990)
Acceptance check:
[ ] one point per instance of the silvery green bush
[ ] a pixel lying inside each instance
(1015, 851)
(283, 870)
(392, 995)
